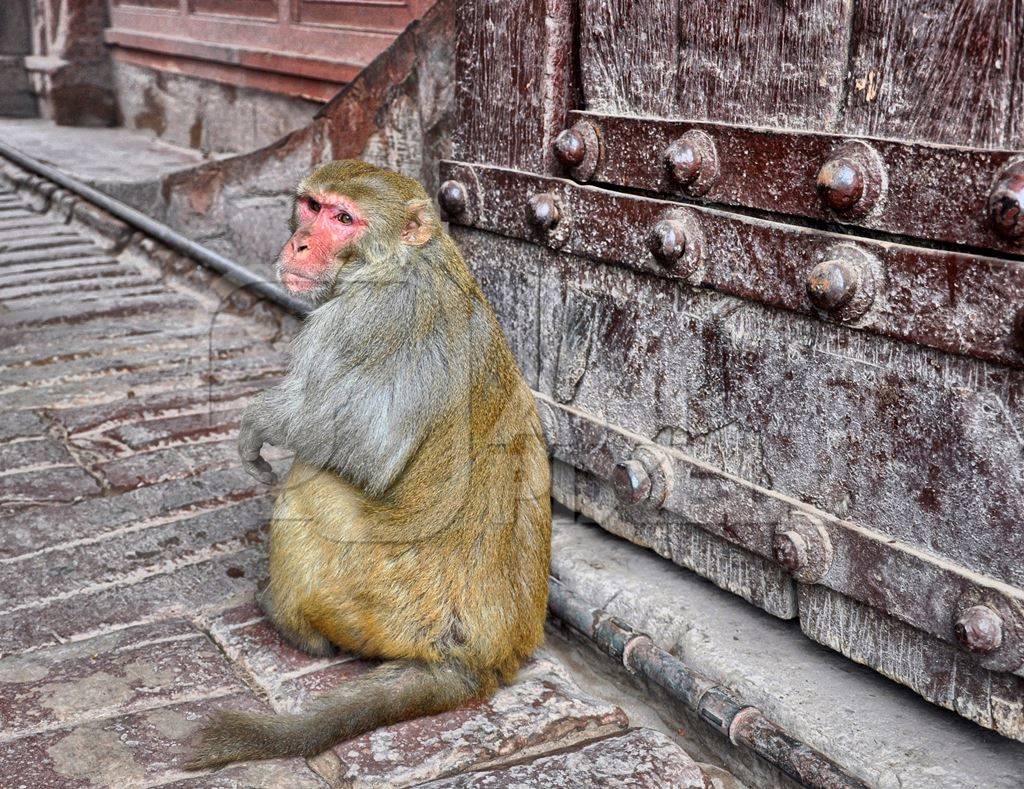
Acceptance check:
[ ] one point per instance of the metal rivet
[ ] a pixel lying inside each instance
(667, 241)
(843, 284)
(645, 475)
(692, 162)
(802, 545)
(790, 550)
(1006, 202)
(676, 241)
(683, 161)
(452, 198)
(841, 183)
(542, 211)
(632, 481)
(579, 149)
(852, 181)
(980, 629)
(570, 147)
(832, 284)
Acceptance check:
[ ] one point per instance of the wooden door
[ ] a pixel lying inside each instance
(761, 262)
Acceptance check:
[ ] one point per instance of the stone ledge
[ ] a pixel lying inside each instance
(878, 731)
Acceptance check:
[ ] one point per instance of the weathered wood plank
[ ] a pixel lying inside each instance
(629, 55)
(745, 61)
(934, 70)
(1015, 123)
(755, 579)
(513, 64)
(508, 273)
(939, 672)
(915, 444)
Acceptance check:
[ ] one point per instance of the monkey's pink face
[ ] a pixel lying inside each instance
(327, 224)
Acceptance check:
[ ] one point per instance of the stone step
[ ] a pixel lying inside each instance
(876, 730)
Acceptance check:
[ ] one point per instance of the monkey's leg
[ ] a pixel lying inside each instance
(294, 628)
(293, 550)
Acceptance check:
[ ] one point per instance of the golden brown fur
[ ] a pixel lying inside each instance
(441, 567)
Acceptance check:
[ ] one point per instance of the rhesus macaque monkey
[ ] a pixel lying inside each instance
(415, 522)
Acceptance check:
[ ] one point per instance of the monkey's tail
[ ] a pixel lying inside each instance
(390, 693)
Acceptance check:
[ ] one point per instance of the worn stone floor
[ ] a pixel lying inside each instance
(128, 164)
(131, 544)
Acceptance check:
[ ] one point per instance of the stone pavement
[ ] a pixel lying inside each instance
(131, 545)
(128, 164)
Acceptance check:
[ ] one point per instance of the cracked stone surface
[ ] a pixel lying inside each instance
(132, 544)
(640, 758)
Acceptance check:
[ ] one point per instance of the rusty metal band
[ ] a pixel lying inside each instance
(935, 192)
(930, 594)
(952, 301)
(744, 724)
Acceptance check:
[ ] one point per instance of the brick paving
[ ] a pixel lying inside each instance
(131, 545)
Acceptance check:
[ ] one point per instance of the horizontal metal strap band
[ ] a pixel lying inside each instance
(921, 589)
(936, 192)
(953, 301)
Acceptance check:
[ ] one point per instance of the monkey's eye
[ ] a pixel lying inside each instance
(313, 205)
(345, 218)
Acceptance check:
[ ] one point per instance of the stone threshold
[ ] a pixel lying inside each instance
(878, 732)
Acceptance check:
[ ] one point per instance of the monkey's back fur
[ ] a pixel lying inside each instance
(414, 525)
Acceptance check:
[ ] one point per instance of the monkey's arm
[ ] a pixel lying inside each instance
(368, 428)
(259, 426)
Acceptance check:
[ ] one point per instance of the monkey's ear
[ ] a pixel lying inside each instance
(420, 223)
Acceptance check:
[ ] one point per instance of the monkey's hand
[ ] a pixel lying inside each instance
(250, 442)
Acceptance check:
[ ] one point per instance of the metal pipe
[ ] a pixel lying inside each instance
(745, 725)
(236, 272)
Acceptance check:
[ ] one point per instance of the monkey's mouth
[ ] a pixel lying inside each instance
(298, 283)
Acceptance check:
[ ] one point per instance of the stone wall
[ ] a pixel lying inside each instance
(205, 115)
(69, 66)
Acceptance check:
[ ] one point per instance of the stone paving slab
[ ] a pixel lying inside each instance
(287, 676)
(208, 576)
(135, 750)
(122, 671)
(542, 711)
(640, 759)
(42, 529)
(131, 545)
(543, 707)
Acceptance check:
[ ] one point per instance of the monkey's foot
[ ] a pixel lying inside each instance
(314, 645)
(309, 641)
